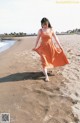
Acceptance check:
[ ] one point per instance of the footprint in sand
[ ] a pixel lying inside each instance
(47, 118)
(50, 119)
(76, 94)
(69, 50)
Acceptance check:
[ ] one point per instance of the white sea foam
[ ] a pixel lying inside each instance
(6, 44)
(2, 44)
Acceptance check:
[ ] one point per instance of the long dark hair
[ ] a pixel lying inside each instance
(44, 21)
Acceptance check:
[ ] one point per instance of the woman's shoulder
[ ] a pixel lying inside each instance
(53, 31)
(39, 31)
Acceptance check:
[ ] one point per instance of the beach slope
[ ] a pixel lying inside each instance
(24, 93)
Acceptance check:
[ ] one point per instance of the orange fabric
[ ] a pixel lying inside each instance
(51, 56)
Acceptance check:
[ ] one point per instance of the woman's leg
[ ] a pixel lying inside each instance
(46, 74)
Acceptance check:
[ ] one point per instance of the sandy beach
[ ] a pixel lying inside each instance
(24, 93)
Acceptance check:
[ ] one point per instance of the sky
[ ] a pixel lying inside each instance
(25, 15)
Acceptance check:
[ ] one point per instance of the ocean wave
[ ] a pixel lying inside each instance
(6, 44)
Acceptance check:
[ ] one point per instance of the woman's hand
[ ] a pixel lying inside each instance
(34, 49)
(37, 40)
(60, 47)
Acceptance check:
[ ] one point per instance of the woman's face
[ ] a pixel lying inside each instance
(45, 25)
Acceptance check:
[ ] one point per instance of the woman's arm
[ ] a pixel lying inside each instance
(38, 37)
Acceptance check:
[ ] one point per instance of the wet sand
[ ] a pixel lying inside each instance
(24, 93)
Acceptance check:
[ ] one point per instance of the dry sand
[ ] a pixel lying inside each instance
(24, 93)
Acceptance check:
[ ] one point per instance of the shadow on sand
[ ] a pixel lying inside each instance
(23, 76)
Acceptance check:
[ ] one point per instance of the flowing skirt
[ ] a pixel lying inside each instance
(51, 56)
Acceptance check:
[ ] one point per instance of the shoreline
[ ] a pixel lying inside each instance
(6, 44)
(22, 84)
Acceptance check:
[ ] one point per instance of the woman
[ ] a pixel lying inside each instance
(51, 56)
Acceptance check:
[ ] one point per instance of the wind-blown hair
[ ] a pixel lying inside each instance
(44, 21)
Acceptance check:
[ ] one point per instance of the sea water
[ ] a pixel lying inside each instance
(5, 44)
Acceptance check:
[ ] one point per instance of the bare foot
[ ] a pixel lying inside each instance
(47, 79)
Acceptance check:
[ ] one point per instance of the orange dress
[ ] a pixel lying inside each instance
(51, 56)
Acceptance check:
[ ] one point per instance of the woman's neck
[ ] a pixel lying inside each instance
(46, 29)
